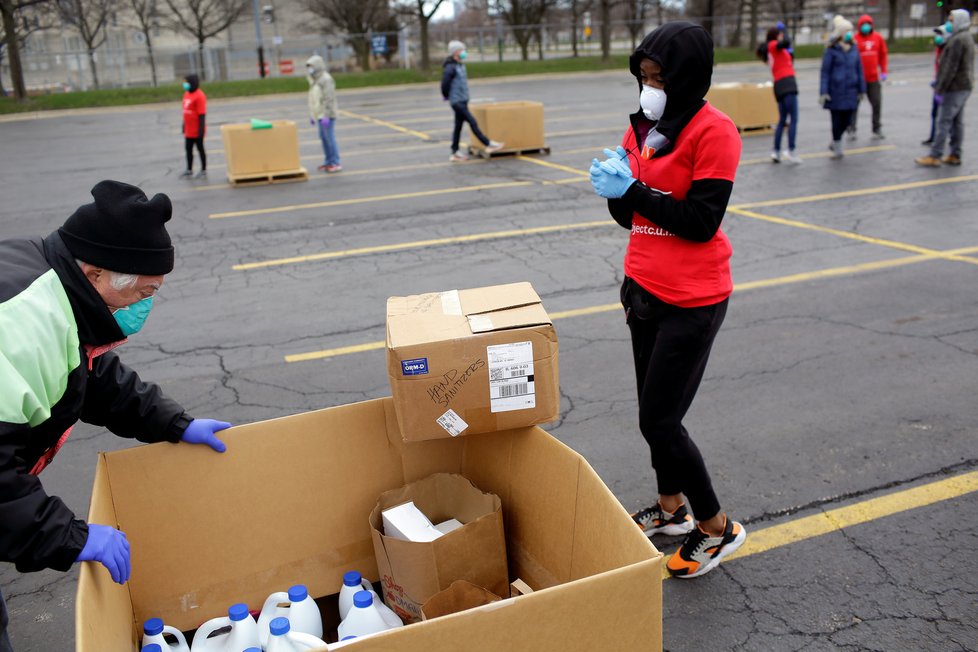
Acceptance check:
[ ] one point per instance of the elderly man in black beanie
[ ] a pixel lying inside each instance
(66, 301)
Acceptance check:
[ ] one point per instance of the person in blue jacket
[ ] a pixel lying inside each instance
(455, 91)
(842, 85)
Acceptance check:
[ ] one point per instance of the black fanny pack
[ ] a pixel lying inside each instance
(785, 86)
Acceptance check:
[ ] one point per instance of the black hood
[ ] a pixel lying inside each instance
(684, 50)
(193, 81)
(448, 61)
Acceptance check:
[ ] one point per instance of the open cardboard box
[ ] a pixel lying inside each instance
(749, 106)
(289, 502)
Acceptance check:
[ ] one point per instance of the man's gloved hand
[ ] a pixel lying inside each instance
(201, 431)
(109, 547)
(882, 76)
(609, 180)
(324, 121)
(938, 98)
(824, 99)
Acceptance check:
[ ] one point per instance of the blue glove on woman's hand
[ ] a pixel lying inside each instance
(109, 547)
(610, 179)
(201, 431)
(324, 121)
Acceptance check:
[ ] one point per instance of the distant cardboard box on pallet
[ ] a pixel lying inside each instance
(750, 106)
(262, 152)
(518, 125)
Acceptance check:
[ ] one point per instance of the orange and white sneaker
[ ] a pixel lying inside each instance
(655, 520)
(700, 553)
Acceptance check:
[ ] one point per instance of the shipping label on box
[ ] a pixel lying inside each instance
(471, 361)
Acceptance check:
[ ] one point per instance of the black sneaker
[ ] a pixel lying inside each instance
(655, 520)
(700, 553)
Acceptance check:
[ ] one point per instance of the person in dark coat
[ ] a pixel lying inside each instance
(66, 302)
(842, 85)
(455, 91)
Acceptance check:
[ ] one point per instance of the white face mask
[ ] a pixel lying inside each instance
(653, 101)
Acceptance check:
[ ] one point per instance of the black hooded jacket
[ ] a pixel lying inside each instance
(685, 53)
(36, 530)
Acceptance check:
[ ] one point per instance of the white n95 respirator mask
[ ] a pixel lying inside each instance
(653, 101)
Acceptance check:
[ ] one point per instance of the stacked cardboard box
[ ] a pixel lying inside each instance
(750, 106)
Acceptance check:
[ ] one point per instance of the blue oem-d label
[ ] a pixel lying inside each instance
(415, 367)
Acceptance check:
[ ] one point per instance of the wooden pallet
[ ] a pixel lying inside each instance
(261, 178)
(509, 152)
(755, 130)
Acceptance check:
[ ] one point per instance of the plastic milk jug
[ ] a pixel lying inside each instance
(153, 631)
(281, 639)
(302, 612)
(354, 583)
(363, 619)
(243, 634)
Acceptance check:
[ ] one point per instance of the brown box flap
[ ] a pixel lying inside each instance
(498, 297)
(459, 596)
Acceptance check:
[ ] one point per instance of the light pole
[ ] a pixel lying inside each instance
(261, 49)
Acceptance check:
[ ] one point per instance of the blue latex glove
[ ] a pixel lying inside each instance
(109, 547)
(938, 98)
(619, 160)
(609, 180)
(201, 431)
(882, 76)
(324, 121)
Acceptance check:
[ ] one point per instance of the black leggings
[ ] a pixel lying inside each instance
(189, 143)
(671, 346)
(840, 122)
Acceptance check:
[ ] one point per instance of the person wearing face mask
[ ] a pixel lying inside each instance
(194, 119)
(66, 302)
(777, 54)
(872, 52)
(940, 37)
(841, 85)
(669, 183)
(955, 79)
(455, 91)
(323, 110)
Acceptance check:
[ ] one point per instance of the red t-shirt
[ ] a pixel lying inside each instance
(780, 60)
(682, 272)
(872, 49)
(194, 106)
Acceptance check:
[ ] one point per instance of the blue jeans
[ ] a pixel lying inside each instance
(788, 111)
(462, 115)
(950, 122)
(330, 150)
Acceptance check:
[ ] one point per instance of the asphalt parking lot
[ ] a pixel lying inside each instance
(838, 413)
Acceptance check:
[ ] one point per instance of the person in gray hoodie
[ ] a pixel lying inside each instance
(455, 90)
(323, 110)
(955, 79)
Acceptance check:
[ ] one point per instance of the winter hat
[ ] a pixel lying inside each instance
(839, 27)
(121, 230)
(455, 46)
(960, 19)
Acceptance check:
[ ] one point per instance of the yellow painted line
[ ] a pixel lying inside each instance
(610, 307)
(840, 518)
(856, 193)
(385, 123)
(902, 246)
(365, 200)
(419, 244)
(548, 164)
(849, 152)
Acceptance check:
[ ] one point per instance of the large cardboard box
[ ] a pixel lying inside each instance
(411, 572)
(289, 502)
(518, 125)
(254, 152)
(750, 106)
(471, 361)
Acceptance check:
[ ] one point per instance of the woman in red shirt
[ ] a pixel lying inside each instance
(194, 119)
(781, 60)
(669, 183)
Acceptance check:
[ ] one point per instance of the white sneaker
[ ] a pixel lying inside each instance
(775, 157)
(493, 146)
(457, 156)
(791, 157)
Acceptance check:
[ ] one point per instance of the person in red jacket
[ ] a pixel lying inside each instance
(778, 55)
(194, 118)
(872, 51)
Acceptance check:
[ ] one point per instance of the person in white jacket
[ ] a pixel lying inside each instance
(323, 110)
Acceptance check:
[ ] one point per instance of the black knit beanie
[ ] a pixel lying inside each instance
(122, 231)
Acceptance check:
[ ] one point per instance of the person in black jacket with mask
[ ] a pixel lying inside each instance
(669, 183)
(66, 301)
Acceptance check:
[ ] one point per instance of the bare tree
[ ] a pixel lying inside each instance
(15, 34)
(636, 12)
(422, 11)
(89, 18)
(355, 17)
(577, 9)
(524, 17)
(605, 9)
(204, 19)
(147, 16)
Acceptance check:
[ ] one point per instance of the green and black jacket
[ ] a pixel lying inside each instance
(56, 367)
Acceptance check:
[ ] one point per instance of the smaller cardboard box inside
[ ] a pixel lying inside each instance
(471, 361)
(251, 151)
(290, 500)
(518, 125)
(412, 571)
(748, 105)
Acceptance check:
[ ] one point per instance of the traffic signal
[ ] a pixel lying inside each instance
(268, 14)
